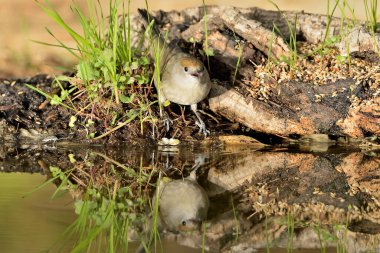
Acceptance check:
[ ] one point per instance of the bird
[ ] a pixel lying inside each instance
(183, 79)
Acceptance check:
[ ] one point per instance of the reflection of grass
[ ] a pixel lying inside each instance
(104, 221)
(152, 235)
(108, 210)
(290, 224)
(267, 243)
(237, 227)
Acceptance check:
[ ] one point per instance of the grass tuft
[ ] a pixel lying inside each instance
(113, 77)
(292, 59)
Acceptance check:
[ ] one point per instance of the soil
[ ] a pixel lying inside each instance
(23, 108)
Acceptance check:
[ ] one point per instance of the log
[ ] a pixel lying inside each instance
(294, 111)
(340, 105)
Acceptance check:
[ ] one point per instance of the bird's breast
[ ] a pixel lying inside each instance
(186, 91)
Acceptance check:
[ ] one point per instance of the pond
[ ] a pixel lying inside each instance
(67, 197)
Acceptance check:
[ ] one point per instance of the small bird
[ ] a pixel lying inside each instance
(184, 79)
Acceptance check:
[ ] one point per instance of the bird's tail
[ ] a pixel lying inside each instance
(158, 49)
(150, 23)
(147, 18)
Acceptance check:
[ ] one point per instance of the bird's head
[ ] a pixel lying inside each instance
(192, 67)
(189, 225)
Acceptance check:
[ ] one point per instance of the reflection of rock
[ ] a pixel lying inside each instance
(287, 177)
(281, 167)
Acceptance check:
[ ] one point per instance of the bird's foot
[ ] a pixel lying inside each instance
(202, 128)
(167, 121)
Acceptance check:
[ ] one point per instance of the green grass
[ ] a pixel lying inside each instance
(291, 60)
(208, 51)
(372, 15)
(240, 52)
(270, 58)
(348, 21)
(112, 75)
(329, 16)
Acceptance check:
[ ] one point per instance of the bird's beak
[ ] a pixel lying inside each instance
(198, 73)
(192, 225)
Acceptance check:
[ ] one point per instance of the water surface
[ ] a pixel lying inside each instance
(309, 199)
(31, 222)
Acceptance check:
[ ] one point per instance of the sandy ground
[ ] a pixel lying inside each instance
(23, 21)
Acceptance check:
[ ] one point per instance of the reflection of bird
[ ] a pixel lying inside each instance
(184, 79)
(183, 204)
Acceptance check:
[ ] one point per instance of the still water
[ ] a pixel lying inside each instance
(31, 222)
(306, 199)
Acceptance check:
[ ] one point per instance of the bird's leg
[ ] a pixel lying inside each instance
(199, 123)
(167, 121)
(199, 161)
(167, 166)
(183, 113)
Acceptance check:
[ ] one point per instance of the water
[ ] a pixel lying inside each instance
(310, 199)
(31, 223)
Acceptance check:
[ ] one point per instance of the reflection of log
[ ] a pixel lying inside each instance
(305, 238)
(313, 189)
(242, 168)
(363, 176)
(303, 179)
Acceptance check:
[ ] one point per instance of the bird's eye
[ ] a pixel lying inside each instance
(183, 223)
(186, 69)
(202, 69)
